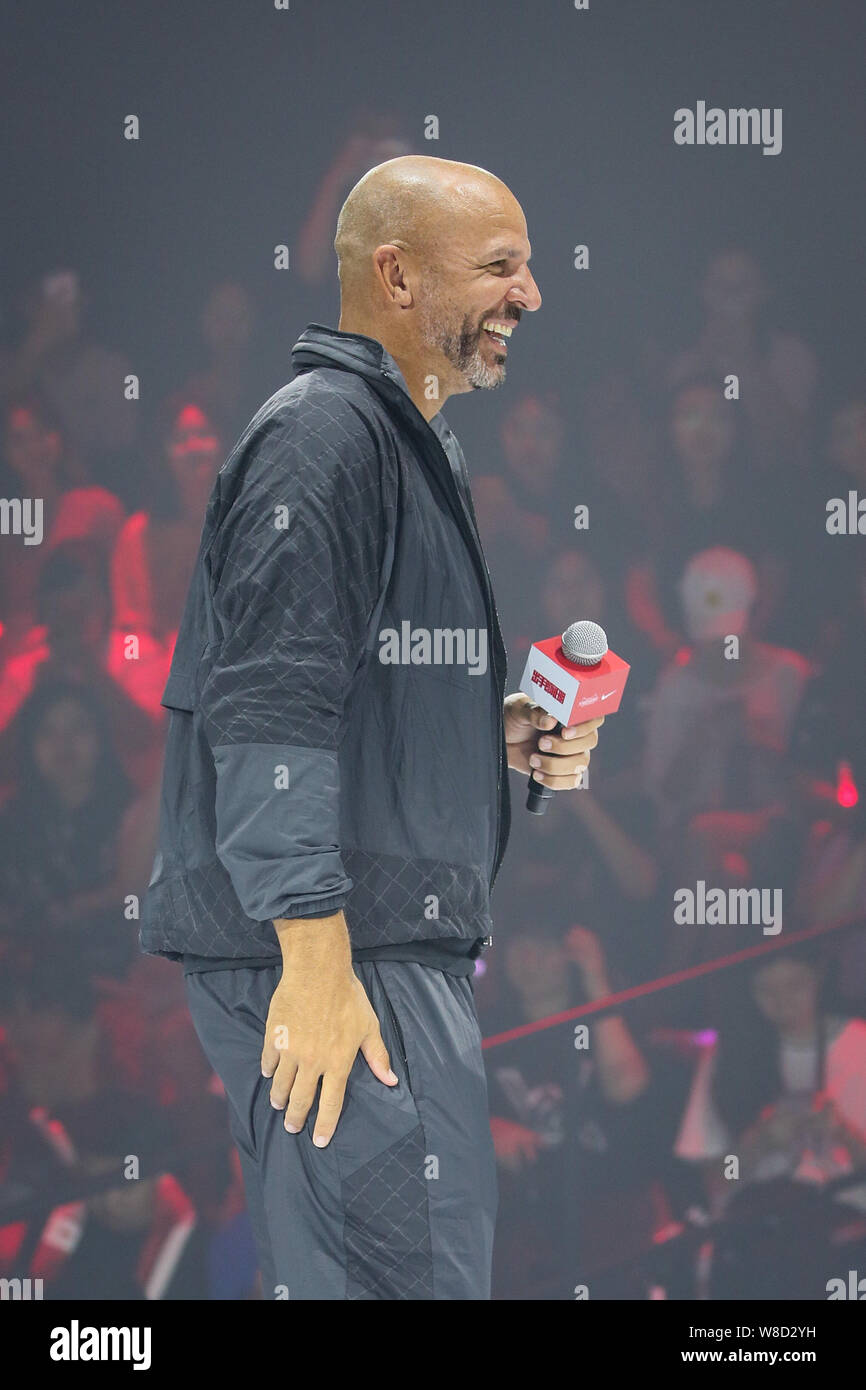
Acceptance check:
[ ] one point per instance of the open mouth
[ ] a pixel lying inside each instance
(498, 332)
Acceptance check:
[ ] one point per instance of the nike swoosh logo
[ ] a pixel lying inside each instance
(608, 695)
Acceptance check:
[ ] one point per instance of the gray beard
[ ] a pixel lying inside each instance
(461, 349)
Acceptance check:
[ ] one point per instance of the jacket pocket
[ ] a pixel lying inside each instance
(395, 1027)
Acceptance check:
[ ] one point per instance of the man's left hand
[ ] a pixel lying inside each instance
(527, 734)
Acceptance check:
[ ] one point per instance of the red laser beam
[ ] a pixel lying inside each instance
(624, 996)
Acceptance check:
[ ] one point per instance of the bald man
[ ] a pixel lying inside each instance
(335, 802)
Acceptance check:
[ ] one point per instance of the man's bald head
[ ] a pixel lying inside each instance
(434, 265)
(415, 202)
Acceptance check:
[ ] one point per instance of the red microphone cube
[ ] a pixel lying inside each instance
(569, 691)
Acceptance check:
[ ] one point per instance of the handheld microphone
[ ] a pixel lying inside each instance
(573, 677)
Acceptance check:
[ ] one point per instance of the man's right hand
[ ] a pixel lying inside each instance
(319, 1018)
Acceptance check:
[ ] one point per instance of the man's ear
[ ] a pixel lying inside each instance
(391, 275)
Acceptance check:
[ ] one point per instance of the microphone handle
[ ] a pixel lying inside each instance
(538, 796)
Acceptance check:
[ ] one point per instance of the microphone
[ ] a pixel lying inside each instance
(567, 676)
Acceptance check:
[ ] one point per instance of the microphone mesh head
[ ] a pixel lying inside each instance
(584, 643)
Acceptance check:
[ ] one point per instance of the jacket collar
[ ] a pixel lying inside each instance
(321, 346)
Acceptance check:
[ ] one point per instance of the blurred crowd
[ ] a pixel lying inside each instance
(693, 528)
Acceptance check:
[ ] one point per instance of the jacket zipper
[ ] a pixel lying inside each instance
(492, 618)
(398, 1031)
(408, 411)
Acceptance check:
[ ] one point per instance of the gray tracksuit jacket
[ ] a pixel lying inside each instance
(336, 732)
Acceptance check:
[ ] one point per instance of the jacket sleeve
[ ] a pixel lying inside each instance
(295, 574)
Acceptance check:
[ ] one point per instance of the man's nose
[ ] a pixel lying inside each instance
(525, 292)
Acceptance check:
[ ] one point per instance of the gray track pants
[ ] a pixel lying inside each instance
(402, 1202)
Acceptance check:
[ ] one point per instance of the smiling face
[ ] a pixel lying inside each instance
(470, 305)
(457, 322)
(433, 259)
